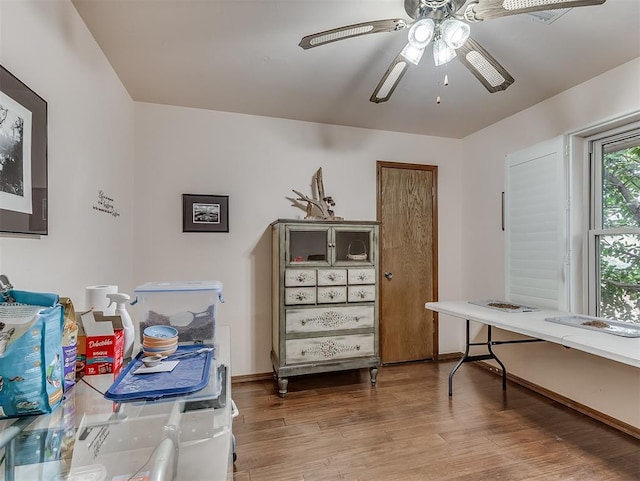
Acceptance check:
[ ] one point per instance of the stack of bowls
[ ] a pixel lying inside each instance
(159, 340)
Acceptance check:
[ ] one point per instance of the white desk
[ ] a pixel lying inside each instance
(621, 349)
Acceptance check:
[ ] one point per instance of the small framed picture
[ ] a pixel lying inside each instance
(205, 213)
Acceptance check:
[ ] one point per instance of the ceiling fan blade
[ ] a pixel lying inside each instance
(487, 9)
(486, 68)
(350, 31)
(390, 80)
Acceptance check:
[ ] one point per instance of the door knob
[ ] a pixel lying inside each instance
(388, 275)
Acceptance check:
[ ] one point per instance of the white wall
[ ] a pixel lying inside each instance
(257, 161)
(604, 385)
(90, 148)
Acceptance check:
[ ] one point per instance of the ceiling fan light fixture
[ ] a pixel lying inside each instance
(412, 54)
(454, 32)
(421, 33)
(442, 53)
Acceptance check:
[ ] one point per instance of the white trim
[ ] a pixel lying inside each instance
(607, 124)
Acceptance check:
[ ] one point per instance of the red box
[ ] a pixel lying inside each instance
(103, 343)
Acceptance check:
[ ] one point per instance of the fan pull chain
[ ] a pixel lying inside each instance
(445, 83)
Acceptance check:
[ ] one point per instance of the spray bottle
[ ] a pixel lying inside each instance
(120, 300)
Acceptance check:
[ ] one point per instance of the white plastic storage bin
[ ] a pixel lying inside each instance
(189, 306)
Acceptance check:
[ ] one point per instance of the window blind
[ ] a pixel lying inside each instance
(536, 217)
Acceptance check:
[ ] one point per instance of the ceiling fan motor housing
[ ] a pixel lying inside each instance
(421, 8)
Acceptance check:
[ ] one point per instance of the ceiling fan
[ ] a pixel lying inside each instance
(445, 25)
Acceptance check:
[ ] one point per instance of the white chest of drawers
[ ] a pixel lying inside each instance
(325, 298)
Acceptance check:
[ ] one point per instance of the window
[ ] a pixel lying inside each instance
(614, 224)
(572, 221)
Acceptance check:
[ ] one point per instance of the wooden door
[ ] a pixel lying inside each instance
(407, 210)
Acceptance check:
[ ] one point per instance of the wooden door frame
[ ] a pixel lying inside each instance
(380, 164)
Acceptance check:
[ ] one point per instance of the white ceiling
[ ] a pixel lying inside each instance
(243, 56)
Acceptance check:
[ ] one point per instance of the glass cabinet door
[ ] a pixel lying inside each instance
(352, 245)
(321, 245)
(307, 245)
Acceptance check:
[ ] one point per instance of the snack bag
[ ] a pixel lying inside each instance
(30, 354)
(69, 343)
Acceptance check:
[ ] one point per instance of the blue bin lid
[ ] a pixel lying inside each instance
(172, 286)
(189, 376)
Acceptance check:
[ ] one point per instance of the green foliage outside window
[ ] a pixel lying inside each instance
(620, 253)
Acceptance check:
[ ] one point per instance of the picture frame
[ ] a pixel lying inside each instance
(205, 213)
(23, 158)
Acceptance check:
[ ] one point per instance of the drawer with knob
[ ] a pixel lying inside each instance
(314, 349)
(334, 294)
(299, 277)
(361, 276)
(329, 318)
(332, 277)
(362, 293)
(300, 295)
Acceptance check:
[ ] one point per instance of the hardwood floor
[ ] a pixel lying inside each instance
(336, 427)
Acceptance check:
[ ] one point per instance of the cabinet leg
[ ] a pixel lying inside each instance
(373, 372)
(283, 382)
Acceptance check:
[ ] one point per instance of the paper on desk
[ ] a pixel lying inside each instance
(167, 366)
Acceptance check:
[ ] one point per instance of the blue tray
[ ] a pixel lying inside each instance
(189, 376)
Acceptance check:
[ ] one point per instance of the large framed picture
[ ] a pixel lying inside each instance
(205, 213)
(23, 158)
